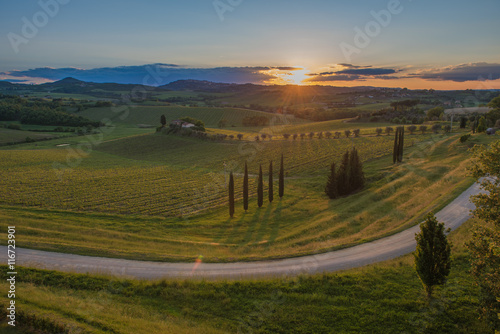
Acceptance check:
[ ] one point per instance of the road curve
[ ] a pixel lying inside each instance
(453, 215)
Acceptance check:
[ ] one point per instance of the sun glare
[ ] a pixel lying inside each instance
(288, 77)
(297, 77)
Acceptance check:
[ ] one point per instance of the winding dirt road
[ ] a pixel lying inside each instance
(453, 215)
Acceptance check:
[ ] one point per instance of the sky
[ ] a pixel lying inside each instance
(447, 44)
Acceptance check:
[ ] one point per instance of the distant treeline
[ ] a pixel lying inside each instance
(319, 115)
(39, 112)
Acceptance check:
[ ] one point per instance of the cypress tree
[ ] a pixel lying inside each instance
(260, 189)
(331, 188)
(397, 155)
(245, 189)
(463, 122)
(231, 195)
(395, 151)
(281, 179)
(401, 144)
(163, 120)
(357, 178)
(432, 256)
(343, 176)
(271, 194)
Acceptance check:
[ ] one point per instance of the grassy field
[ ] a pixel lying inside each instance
(383, 298)
(210, 116)
(144, 197)
(9, 136)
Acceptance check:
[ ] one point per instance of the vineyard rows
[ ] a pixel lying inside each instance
(184, 177)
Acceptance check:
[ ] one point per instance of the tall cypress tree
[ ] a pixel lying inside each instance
(401, 144)
(245, 189)
(357, 177)
(396, 147)
(281, 179)
(331, 188)
(231, 195)
(343, 176)
(260, 189)
(397, 155)
(271, 194)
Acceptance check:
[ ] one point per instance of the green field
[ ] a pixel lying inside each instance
(210, 116)
(9, 136)
(166, 195)
(383, 298)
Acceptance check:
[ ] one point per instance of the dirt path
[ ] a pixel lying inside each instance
(453, 215)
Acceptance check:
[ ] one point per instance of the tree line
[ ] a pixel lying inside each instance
(15, 108)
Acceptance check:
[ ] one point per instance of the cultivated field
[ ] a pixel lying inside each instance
(161, 197)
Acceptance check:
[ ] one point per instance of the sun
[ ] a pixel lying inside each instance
(297, 77)
(290, 76)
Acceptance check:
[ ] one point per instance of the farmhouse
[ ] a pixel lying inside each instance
(182, 124)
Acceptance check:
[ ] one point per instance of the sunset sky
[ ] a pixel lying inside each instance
(448, 44)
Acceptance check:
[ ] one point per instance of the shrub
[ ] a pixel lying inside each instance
(464, 138)
(436, 128)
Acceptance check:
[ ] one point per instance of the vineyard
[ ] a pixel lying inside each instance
(160, 175)
(123, 204)
(167, 194)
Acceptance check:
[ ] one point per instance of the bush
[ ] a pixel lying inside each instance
(435, 112)
(412, 129)
(464, 138)
(436, 128)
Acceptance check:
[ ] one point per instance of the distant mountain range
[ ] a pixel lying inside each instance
(71, 85)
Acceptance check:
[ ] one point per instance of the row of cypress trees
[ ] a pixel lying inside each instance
(348, 178)
(260, 187)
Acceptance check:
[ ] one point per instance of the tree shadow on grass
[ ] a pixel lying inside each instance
(261, 216)
(275, 223)
(265, 221)
(234, 232)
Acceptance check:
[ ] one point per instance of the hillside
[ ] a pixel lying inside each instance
(210, 116)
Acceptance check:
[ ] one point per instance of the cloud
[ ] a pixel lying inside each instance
(351, 72)
(320, 78)
(368, 71)
(353, 66)
(461, 73)
(154, 74)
